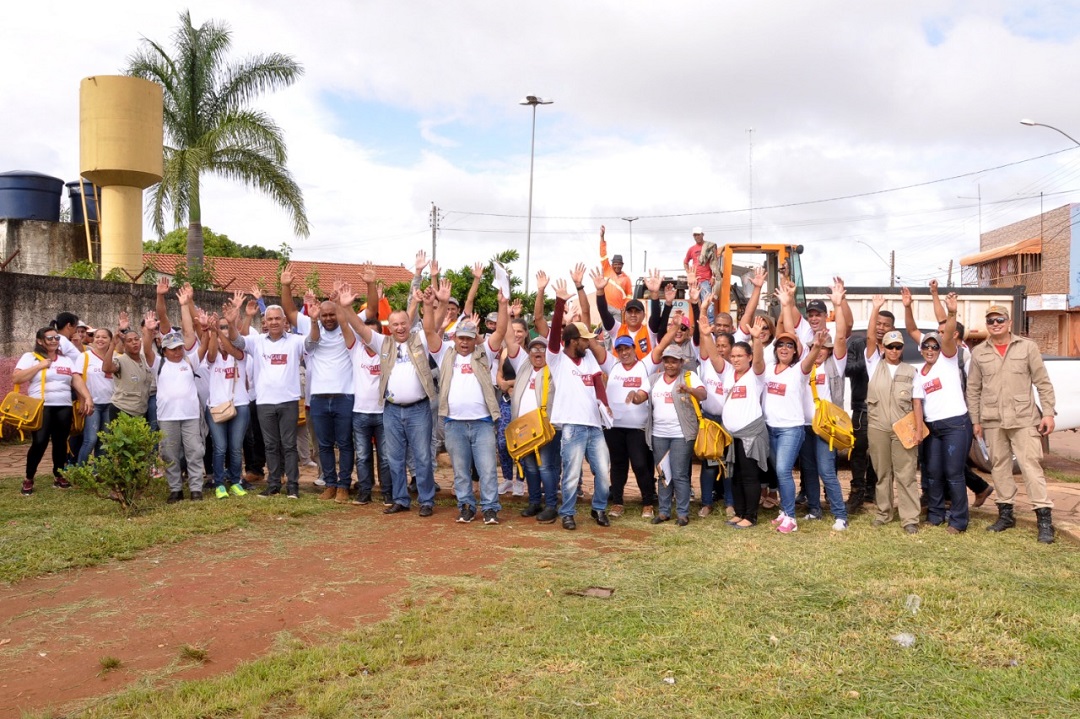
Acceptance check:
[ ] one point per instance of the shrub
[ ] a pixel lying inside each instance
(123, 471)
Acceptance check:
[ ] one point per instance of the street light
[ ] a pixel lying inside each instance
(534, 101)
(1032, 123)
(630, 221)
(892, 278)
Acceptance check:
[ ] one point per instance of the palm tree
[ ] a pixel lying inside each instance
(209, 128)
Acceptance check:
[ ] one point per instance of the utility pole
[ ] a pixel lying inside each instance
(892, 269)
(950, 274)
(750, 164)
(630, 221)
(434, 222)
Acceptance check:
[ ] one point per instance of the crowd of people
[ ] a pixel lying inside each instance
(245, 392)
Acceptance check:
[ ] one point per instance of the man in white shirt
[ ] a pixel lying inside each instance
(276, 357)
(576, 410)
(180, 416)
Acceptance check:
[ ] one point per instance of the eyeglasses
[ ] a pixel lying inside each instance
(788, 345)
(894, 347)
(995, 321)
(932, 348)
(52, 338)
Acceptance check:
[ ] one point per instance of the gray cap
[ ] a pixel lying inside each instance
(672, 351)
(172, 340)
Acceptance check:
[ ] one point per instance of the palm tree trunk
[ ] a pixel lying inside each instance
(194, 233)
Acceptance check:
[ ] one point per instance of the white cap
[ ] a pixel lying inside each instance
(697, 231)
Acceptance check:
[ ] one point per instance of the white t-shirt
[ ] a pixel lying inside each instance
(69, 350)
(824, 391)
(465, 400)
(528, 398)
(575, 398)
(621, 382)
(873, 361)
(743, 403)
(100, 383)
(366, 371)
(329, 367)
(177, 394)
(768, 352)
(57, 380)
(276, 367)
(783, 399)
(223, 386)
(662, 399)
(938, 386)
(403, 386)
(717, 384)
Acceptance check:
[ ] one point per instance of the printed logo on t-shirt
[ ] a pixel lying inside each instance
(738, 392)
(586, 379)
(532, 383)
(777, 388)
(279, 359)
(819, 379)
(375, 370)
(632, 382)
(108, 375)
(466, 369)
(66, 371)
(720, 388)
(932, 386)
(230, 373)
(643, 345)
(668, 399)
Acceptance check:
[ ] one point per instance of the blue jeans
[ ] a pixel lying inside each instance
(946, 455)
(151, 412)
(708, 475)
(331, 416)
(409, 427)
(819, 467)
(580, 442)
(704, 288)
(681, 453)
(229, 444)
(367, 427)
(95, 422)
(505, 461)
(472, 442)
(543, 479)
(784, 445)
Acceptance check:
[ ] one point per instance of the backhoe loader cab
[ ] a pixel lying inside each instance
(735, 264)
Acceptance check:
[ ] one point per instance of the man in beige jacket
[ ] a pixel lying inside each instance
(1003, 411)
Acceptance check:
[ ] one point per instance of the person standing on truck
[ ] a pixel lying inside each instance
(695, 267)
(619, 288)
(999, 398)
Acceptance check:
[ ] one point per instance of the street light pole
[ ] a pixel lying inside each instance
(1032, 123)
(630, 221)
(534, 101)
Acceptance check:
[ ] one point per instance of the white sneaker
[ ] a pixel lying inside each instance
(505, 487)
(519, 488)
(320, 482)
(839, 525)
(311, 465)
(787, 526)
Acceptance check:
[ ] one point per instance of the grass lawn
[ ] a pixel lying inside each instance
(705, 621)
(54, 530)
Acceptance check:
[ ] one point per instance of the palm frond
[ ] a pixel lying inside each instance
(268, 177)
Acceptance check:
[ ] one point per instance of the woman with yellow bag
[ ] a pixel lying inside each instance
(49, 376)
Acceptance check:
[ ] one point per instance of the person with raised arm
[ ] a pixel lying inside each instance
(750, 314)
(889, 396)
(226, 366)
(131, 370)
(716, 374)
(619, 288)
(96, 369)
(574, 358)
(633, 318)
(748, 454)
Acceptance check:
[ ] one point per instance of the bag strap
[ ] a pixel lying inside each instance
(38, 357)
(813, 383)
(85, 364)
(693, 399)
(546, 378)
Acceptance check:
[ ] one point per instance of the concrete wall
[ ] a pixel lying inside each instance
(28, 302)
(42, 247)
(1055, 227)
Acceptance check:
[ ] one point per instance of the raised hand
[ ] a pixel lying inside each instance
(950, 302)
(345, 295)
(652, 281)
(252, 308)
(878, 301)
(837, 292)
(692, 289)
(478, 271)
(150, 321)
(905, 296)
(515, 308)
(933, 287)
(286, 276)
(598, 278)
(785, 293)
(541, 281)
(162, 286)
(421, 261)
(758, 328)
(578, 273)
(256, 292)
(475, 319)
(202, 319)
(560, 289)
(185, 295)
(758, 278)
(230, 312)
(238, 299)
(820, 337)
(601, 232)
(367, 273)
(310, 301)
(443, 293)
(502, 298)
(433, 268)
(669, 293)
(123, 323)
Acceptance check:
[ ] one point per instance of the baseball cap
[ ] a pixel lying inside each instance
(634, 305)
(537, 341)
(577, 330)
(697, 231)
(466, 329)
(453, 301)
(670, 351)
(172, 340)
(892, 337)
(616, 258)
(998, 310)
(624, 341)
(786, 336)
(927, 336)
(492, 317)
(817, 306)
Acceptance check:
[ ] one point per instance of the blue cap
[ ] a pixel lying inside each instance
(624, 341)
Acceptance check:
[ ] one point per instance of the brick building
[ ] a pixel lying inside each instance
(1040, 254)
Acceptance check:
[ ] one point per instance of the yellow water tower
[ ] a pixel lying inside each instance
(121, 151)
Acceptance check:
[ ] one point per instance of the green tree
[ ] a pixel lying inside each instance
(487, 297)
(214, 245)
(210, 129)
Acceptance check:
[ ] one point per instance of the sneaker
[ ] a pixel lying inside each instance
(812, 516)
(293, 493)
(787, 526)
(506, 487)
(269, 492)
(311, 465)
(61, 483)
(800, 498)
(426, 510)
(491, 516)
(175, 497)
(548, 516)
(779, 518)
(220, 492)
(362, 498)
(647, 512)
(237, 490)
(246, 486)
(466, 514)
(196, 496)
(518, 489)
(27, 487)
(839, 525)
(320, 482)
(616, 511)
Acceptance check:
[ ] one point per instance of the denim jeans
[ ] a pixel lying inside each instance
(505, 461)
(409, 427)
(471, 442)
(542, 479)
(581, 442)
(368, 427)
(946, 455)
(704, 288)
(332, 419)
(94, 423)
(681, 453)
(229, 445)
(784, 445)
(820, 468)
(151, 412)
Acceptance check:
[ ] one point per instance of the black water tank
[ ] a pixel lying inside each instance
(26, 195)
(76, 201)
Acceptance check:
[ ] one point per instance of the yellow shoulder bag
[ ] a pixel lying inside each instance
(78, 419)
(531, 431)
(831, 422)
(712, 439)
(22, 412)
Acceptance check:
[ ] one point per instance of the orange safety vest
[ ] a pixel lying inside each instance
(642, 343)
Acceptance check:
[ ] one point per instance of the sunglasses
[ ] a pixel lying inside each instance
(788, 345)
(894, 347)
(996, 321)
(932, 348)
(52, 338)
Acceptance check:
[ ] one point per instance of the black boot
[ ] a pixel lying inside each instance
(1005, 518)
(855, 500)
(1046, 527)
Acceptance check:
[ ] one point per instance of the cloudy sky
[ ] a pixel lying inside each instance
(860, 113)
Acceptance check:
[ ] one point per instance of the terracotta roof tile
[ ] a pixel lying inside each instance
(238, 273)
